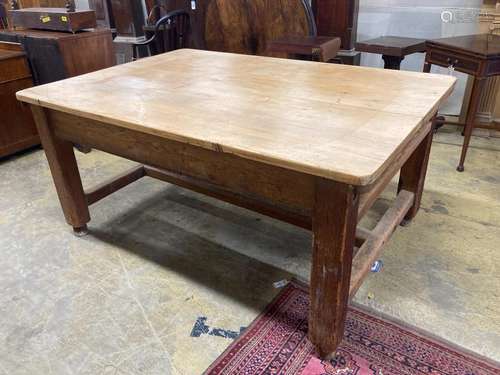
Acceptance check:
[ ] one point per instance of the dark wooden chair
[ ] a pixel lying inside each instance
(173, 29)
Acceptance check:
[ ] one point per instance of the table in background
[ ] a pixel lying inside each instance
(310, 144)
(393, 49)
(477, 55)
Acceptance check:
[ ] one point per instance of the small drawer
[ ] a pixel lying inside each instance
(460, 63)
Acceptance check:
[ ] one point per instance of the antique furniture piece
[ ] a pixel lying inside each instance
(320, 48)
(171, 31)
(129, 18)
(57, 55)
(393, 49)
(271, 135)
(104, 16)
(243, 26)
(17, 128)
(57, 19)
(477, 55)
(337, 18)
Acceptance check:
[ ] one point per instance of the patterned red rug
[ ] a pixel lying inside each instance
(276, 343)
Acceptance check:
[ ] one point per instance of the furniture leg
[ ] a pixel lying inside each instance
(412, 176)
(334, 225)
(392, 62)
(477, 88)
(427, 67)
(65, 173)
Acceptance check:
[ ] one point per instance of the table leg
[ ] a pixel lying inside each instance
(334, 225)
(65, 173)
(392, 62)
(413, 172)
(477, 88)
(427, 67)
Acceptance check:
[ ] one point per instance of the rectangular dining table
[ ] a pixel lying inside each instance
(311, 144)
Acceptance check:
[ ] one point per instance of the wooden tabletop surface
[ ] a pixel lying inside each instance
(485, 46)
(341, 122)
(392, 46)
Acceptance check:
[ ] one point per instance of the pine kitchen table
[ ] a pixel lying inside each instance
(307, 143)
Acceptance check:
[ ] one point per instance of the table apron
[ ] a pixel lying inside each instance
(250, 184)
(269, 185)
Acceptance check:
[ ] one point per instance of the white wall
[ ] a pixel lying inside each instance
(82, 4)
(419, 19)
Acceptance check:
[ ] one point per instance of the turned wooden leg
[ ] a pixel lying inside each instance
(334, 222)
(65, 173)
(413, 172)
(477, 88)
(392, 62)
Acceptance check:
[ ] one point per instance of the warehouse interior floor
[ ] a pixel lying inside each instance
(125, 298)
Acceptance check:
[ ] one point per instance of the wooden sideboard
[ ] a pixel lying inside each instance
(17, 128)
(58, 55)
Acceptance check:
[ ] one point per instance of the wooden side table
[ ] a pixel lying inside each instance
(393, 49)
(299, 46)
(477, 55)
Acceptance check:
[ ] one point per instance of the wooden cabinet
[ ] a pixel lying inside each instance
(17, 129)
(57, 55)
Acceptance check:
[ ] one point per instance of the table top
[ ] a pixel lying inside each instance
(485, 46)
(340, 122)
(392, 46)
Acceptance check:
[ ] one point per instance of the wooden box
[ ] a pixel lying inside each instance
(57, 19)
(17, 128)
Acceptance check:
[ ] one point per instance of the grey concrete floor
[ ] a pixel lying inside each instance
(125, 298)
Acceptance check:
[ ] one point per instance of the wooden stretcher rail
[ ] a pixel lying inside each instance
(369, 244)
(300, 219)
(110, 186)
(371, 249)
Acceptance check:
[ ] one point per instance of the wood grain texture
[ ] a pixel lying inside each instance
(334, 225)
(246, 177)
(372, 248)
(53, 19)
(17, 128)
(244, 26)
(337, 18)
(57, 55)
(64, 171)
(340, 122)
(413, 172)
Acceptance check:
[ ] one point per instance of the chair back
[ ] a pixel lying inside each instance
(169, 33)
(175, 29)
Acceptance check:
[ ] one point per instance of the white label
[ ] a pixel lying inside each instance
(280, 284)
(193, 4)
